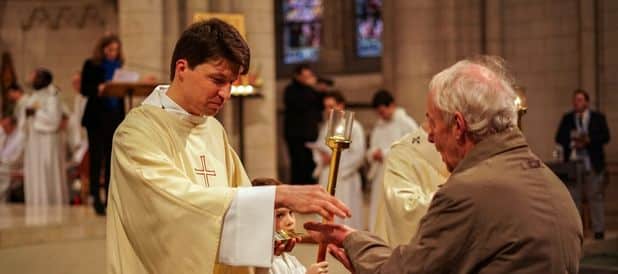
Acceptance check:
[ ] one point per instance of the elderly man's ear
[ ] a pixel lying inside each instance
(460, 126)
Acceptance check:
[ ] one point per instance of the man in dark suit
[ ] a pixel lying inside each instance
(582, 135)
(500, 211)
(303, 113)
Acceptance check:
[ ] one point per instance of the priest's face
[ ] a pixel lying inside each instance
(284, 219)
(206, 87)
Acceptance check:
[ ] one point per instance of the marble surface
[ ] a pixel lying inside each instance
(21, 225)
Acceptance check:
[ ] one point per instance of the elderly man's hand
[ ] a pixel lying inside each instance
(328, 233)
(341, 256)
(333, 235)
(310, 199)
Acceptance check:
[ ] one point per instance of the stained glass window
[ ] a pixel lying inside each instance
(302, 25)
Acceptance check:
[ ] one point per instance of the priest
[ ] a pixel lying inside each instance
(413, 173)
(393, 123)
(180, 200)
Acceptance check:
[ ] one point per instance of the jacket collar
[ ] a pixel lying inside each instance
(491, 146)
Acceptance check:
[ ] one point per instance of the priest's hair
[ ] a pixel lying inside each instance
(481, 89)
(212, 40)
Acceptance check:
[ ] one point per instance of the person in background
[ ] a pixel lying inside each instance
(11, 154)
(78, 145)
(18, 98)
(102, 115)
(44, 159)
(393, 123)
(582, 134)
(324, 84)
(303, 113)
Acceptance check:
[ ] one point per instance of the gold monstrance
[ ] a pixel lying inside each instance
(339, 131)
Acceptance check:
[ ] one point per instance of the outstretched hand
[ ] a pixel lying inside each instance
(310, 199)
(328, 233)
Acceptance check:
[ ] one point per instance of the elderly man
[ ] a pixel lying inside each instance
(501, 210)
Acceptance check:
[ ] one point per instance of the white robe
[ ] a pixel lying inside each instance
(384, 133)
(44, 163)
(20, 107)
(348, 188)
(287, 264)
(178, 201)
(75, 135)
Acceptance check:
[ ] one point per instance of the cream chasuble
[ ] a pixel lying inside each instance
(173, 179)
(413, 171)
(383, 135)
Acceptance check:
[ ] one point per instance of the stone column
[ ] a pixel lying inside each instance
(141, 32)
(587, 49)
(420, 39)
(260, 139)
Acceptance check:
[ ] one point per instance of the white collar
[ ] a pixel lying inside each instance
(159, 98)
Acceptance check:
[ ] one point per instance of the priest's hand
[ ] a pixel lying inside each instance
(328, 233)
(310, 199)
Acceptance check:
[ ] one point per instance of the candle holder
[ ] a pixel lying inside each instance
(521, 103)
(338, 138)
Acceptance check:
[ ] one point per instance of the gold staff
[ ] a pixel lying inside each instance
(339, 131)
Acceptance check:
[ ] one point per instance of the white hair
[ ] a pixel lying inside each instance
(482, 91)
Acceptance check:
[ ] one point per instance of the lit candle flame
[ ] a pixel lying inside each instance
(340, 130)
(518, 102)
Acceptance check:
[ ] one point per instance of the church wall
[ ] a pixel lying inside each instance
(608, 74)
(141, 29)
(58, 35)
(260, 139)
(422, 38)
(541, 43)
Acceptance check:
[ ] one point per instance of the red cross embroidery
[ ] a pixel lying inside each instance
(204, 171)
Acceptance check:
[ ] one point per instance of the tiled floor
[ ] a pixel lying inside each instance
(20, 225)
